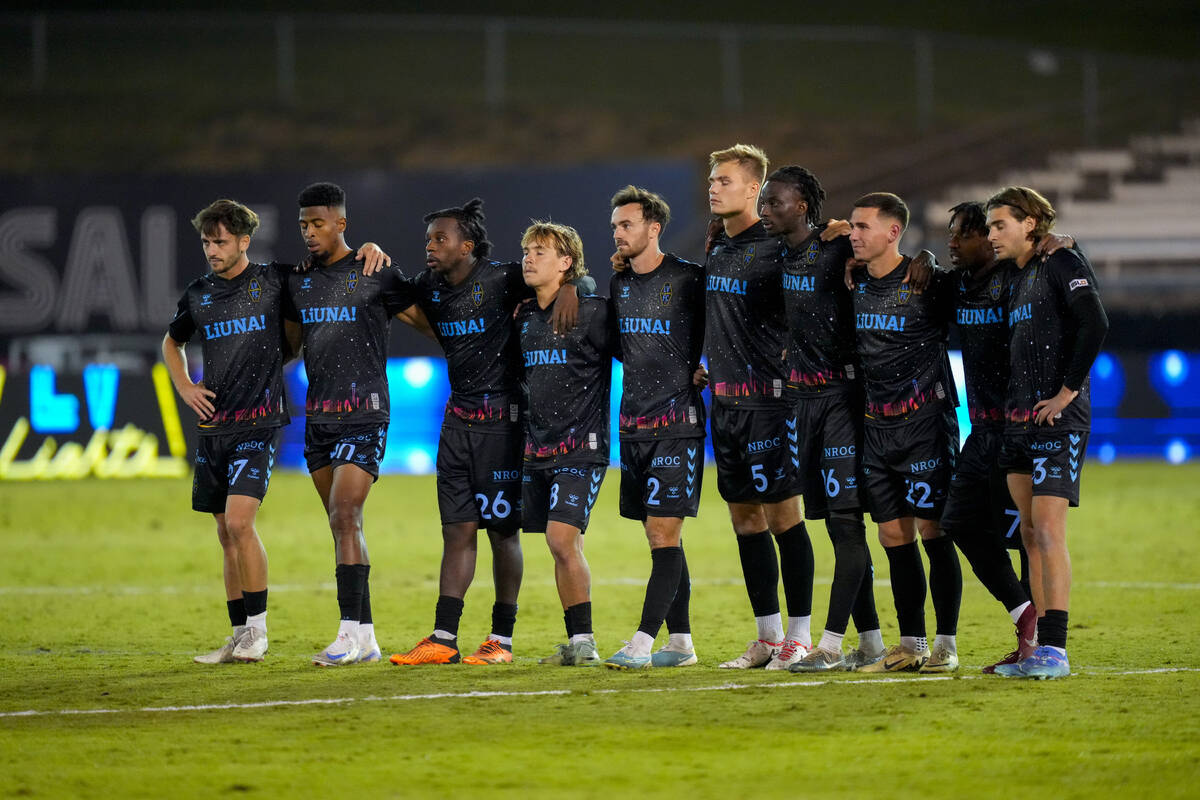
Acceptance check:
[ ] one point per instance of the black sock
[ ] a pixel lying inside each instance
(580, 616)
(256, 603)
(908, 587)
(1025, 573)
(761, 572)
(849, 537)
(237, 612)
(447, 613)
(796, 568)
(364, 614)
(349, 590)
(945, 583)
(1052, 628)
(665, 566)
(989, 561)
(679, 618)
(569, 622)
(504, 619)
(864, 614)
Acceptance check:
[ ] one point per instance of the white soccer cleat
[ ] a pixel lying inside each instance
(224, 653)
(757, 654)
(791, 652)
(344, 650)
(251, 645)
(369, 652)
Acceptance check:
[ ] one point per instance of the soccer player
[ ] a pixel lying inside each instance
(240, 404)
(470, 299)
(344, 316)
(1056, 327)
(910, 437)
(658, 305)
(823, 377)
(753, 418)
(567, 378)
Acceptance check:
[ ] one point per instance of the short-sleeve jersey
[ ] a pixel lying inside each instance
(1041, 338)
(746, 328)
(240, 323)
(345, 318)
(820, 316)
(473, 322)
(983, 332)
(567, 379)
(659, 319)
(901, 339)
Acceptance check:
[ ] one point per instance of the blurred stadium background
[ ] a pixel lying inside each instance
(119, 125)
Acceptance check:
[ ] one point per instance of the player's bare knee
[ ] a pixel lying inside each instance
(345, 520)
(747, 519)
(930, 529)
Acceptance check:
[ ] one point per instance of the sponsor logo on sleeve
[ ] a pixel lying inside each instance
(1078, 283)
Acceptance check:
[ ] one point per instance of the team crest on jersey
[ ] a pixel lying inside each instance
(352, 281)
(255, 290)
(903, 293)
(665, 294)
(810, 255)
(995, 286)
(746, 259)
(477, 294)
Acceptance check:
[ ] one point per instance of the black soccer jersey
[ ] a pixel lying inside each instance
(746, 327)
(345, 317)
(240, 323)
(983, 332)
(567, 378)
(820, 316)
(473, 323)
(901, 341)
(659, 318)
(1041, 339)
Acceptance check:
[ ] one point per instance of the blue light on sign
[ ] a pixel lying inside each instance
(50, 412)
(100, 382)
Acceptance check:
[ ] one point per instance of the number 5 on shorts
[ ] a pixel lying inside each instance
(760, 477)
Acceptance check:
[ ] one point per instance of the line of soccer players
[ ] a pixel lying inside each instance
(829, 376)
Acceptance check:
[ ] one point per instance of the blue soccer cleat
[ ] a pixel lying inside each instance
(623, 660)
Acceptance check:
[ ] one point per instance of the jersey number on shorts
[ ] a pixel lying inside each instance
(343, 452)
(501, 508)
(832, 487)
(1039, 470)
(653, 486)
(760, 477)
(918, 487)
(235, 469)
(553, 495)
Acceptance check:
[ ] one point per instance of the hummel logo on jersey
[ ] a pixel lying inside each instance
(624, 292)
(306, 283)
(230, 327)
(206, 299)
(644, 325)
(308, 316)
(719, 283)
(537, 358)
(437, 296)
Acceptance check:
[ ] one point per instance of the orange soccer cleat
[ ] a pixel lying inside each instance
(428, 651)
(490, 652)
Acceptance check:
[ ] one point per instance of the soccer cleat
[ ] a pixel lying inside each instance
(898, 658)
(428, 651)
(1011, 658)
(251, 645)
(584, 653)
(369, 652)
(791, 652)
(623, 660)
(942, 659)
(858, 658)
(1027, 632)
(490, 652)
(563, 656)
(819, 660)
(1046, 662)
(666, 657)
(344, 650)
(757, 654)
(224, 653)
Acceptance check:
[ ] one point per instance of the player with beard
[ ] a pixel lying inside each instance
(1056, 327)
(753, 418)
(823, 378)
(910, 438)
(657, 303)
(470, 299)
(343, 317)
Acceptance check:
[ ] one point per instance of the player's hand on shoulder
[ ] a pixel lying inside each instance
(851, 265)
(199, 398)
(920, 271)
(373, 258)
(715, 226)
(835, 228)
(564, 316)
(1053, 242)
(521, 305)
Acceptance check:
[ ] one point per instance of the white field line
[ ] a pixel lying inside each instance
(403, 698)
(325, 587)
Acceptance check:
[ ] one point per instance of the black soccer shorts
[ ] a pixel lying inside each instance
(362, 445)
(907, 465)
(561, 494)
(1053, 460)
(661, 478)
(830, 435)
(979, 497)
(479, 475)
(755, 450)
(233, 463)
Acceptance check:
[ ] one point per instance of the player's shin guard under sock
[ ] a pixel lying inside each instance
(908, 587)
(665, 566)
(364, 612)
(796, 569)
(990, 562)
(579, 619)
(1052, 629)
(349, 590)
(864, 614)
(850, 565)
(679, 619)
(504, 619)
(945, 583)
(761, 572)
(446, 615)
(237, 611)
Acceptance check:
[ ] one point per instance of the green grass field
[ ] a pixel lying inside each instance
(108, 589)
